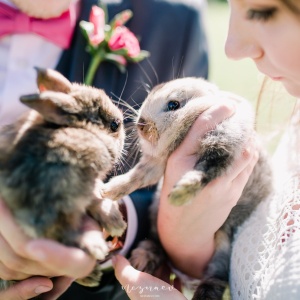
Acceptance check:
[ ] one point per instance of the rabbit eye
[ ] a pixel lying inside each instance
(173, 105)
(114, 125)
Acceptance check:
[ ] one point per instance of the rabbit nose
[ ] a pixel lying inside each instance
(141, 124)
(147, 130)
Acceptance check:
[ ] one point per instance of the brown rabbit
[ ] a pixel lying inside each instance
(163, 121)
(53, 159)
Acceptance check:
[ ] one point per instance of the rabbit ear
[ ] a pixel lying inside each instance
(51, 80)
(55, 107)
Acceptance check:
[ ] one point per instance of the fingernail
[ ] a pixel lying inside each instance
(42, 289)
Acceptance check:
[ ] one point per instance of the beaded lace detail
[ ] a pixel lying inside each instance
(265, 262)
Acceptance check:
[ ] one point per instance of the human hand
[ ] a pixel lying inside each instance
(192, 247)
(137, 284)
(21, 258)
(35, 286)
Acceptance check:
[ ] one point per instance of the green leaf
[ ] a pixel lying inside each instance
(142, 55)
(122, 51)
(87, 28)
(120, 59)
(121, 18)
(121, 68)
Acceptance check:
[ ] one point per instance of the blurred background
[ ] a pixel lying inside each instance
(237, 76)
(243, 78)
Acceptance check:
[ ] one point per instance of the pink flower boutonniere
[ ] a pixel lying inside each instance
(110, 41)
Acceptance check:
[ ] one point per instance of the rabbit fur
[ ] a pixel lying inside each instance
(54, 160)
(162, 123)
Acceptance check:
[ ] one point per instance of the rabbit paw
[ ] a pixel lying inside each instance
(186, 188)
(112, 192)
(106, 212)
(116, 188)
(93, 279)
(94, 244)
(147, 257)
(210, 289)
(142, 260)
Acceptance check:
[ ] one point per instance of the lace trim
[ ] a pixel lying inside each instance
(265, 258)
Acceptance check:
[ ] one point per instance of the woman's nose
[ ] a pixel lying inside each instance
(241, 43)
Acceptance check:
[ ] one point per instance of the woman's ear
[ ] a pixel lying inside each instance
(51, 80)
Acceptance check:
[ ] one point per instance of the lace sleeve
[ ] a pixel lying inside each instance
(265, 261)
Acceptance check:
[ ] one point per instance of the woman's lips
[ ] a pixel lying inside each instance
(277, 78)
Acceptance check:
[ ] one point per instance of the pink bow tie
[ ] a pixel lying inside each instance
(57, 30)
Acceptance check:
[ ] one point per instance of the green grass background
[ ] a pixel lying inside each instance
(237, 76)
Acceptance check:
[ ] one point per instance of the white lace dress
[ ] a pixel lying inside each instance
(265, 262)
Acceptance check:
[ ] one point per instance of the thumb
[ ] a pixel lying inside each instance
(124, 272)
(139, 284)
(27, 289)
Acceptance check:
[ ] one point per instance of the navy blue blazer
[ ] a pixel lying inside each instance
(173, 33)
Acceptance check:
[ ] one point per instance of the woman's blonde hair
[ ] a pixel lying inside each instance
(273, 110)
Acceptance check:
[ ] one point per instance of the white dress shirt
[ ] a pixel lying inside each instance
(19, 54)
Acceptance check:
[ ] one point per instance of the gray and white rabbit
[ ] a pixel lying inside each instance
(54, 158)
(163, 121)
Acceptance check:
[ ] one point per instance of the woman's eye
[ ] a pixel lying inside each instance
(261, 15)
(114, 125)
(173, 105)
